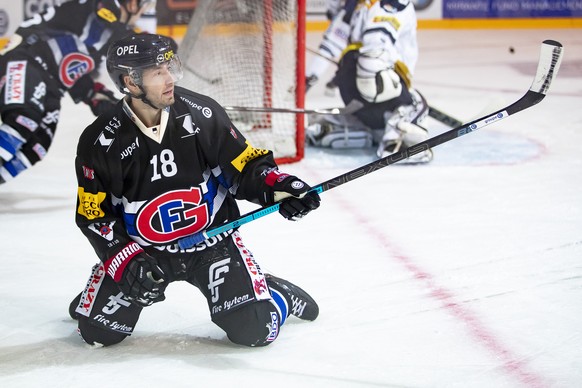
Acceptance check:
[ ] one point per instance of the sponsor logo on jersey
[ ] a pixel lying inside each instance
(90, 204)
(39, 150)
(104, 141)
(27, 123)
(388, 19)
(112, 125)
(210, 242)
(188, 125)
(115, 303)
(206, 112)
(128, 151)
(173, 215)
(74, 66)
(255, 273)
(103, 229)
(106, 15)
(38, 94)
(88, 173)
(15, 81)
(247, 155)
(273, 327)
(216, 277)
(51, 117)
(88, 296)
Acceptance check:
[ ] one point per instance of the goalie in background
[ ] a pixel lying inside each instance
(334, 42)
(166, 163)
(376, 71)
(53, 53)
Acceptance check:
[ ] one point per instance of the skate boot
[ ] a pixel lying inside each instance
(401, 133)
(300, 303)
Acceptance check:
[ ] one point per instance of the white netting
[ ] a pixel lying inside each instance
(245, 53)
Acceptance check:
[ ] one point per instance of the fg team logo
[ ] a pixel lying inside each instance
(173, 215)
(73, 66)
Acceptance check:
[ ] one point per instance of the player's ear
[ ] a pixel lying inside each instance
(130, 84)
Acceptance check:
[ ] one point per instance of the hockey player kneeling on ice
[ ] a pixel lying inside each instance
(166, 163)
(376, 70)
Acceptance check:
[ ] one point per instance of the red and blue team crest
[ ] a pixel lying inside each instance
(74, 66)
(173, 215)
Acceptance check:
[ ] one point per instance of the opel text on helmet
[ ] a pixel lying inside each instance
(133, 54)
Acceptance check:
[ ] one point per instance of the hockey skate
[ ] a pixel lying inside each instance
(300, 303)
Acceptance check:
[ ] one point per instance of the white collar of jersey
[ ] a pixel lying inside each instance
(157, 131)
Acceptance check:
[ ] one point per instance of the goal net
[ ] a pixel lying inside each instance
(251, 54)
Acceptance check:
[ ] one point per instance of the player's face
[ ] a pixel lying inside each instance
(158, 83)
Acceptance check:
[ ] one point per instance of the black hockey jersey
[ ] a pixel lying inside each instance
(133, 189)
(70, 40)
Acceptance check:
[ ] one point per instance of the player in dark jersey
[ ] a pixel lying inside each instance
(49, 55)
(166, 163)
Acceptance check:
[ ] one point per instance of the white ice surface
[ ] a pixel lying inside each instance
(466, 272)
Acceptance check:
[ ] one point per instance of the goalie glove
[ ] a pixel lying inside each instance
(137, 275)
(294, 195)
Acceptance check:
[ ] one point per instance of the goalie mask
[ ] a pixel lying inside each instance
(136, 54)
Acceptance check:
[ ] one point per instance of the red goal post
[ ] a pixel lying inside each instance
(251, 53)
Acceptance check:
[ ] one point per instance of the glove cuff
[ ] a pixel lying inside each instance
(275, 176)
(115, 265)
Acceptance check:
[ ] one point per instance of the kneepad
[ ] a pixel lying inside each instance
(253, 324)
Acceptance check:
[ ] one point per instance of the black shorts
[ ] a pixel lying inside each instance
(226, 274)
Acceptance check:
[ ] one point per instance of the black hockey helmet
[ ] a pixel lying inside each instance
(135, 53)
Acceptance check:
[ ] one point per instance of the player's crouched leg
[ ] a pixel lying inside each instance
(96, 336)
(254, 324)
(105, 316)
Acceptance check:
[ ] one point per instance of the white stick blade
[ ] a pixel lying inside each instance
(550, 58)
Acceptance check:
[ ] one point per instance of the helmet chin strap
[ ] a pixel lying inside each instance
(143, 97)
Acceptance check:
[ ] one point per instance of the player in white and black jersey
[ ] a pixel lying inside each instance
(51, 54)
(376, 69)
(164, 164)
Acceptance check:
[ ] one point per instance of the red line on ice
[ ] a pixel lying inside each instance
(511, 362)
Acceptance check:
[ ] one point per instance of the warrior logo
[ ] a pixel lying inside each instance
(173, 215)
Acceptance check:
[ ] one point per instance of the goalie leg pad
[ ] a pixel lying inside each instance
(339, 132)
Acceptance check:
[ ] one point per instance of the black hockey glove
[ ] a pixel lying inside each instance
(293, 194)
(100, 99)
(141, 281)
(95, 94)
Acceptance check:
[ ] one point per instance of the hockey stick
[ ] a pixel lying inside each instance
(432, 112)
(548, 65)
(436, 114)
(353, 106)
(211, 81)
